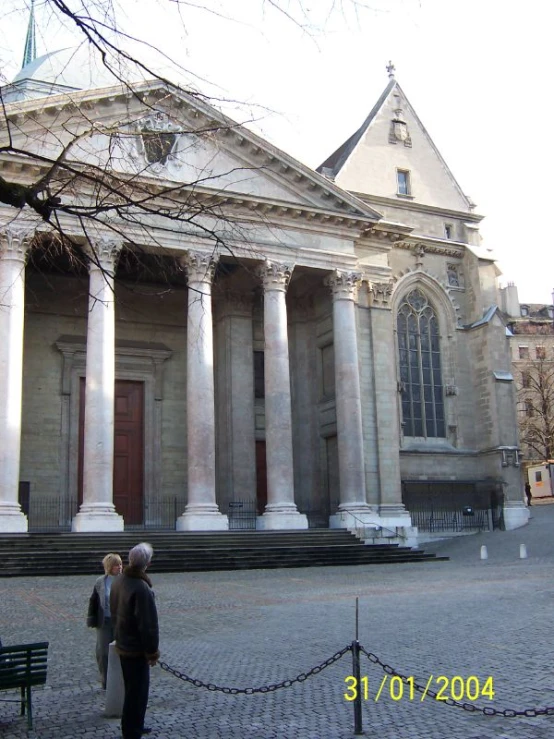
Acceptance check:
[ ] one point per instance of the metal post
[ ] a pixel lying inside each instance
(356, 673)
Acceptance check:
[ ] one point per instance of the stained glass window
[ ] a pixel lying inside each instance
(420, 367)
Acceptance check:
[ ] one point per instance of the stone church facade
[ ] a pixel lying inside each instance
(322, 346)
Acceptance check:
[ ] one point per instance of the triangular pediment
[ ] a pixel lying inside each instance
(160, 133)
(393, 138)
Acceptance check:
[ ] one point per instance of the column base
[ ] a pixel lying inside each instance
(12, 519)
(515, 515)
(277, 518)
(394, 514)
(354, 516)
(97, 518)
(207, 518)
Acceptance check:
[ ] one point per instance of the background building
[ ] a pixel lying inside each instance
(531, 328)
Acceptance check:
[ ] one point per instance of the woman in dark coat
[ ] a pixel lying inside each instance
(99, 616)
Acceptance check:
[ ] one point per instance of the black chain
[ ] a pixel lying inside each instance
(264, 688)
(486, 710)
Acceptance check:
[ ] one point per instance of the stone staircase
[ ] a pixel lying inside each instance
(81, 554)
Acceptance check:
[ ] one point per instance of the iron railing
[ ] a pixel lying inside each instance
(56, 514)
(242, 515)
(158, 514)
(50, 514)
(435, 519)
(363, 530)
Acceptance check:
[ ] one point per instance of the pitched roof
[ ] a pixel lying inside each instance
(333, 165)
(317, 191)
(339, 157)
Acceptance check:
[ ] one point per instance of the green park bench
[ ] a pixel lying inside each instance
(22, 666)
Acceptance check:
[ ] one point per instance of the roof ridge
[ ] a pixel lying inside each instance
(336, 160)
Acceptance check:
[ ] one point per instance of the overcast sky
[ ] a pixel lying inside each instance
(477, 72)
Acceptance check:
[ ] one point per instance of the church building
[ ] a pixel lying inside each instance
(206, 326)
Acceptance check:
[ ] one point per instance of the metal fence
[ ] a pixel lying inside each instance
(318, 518)
(242, 515)
(467, 518)
(50, 514)
(158, 514)
(56, 514)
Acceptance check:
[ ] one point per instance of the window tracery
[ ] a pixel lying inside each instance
(421, 383)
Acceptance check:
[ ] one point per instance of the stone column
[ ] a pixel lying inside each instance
(383, 337)
(305, 429)
(14, 244)
(280, 511)
(235, 437)
(97, 512)
(348, 401)
(201, 512)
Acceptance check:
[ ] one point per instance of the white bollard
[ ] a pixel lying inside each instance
(522, 551)
(484, 553)
(115, 690)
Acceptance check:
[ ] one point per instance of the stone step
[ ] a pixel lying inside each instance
(63, 554)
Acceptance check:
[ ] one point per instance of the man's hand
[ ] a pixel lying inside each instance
(152, 662)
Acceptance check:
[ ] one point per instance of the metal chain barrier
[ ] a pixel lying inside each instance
(470, 707)
(264, 688)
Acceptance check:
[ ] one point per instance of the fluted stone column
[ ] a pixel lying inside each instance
(201, 512)
(348, 400)
(280, 511)
(97, 512)
(14, 245)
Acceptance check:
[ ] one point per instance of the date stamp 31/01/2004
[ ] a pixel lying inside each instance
(396, 688)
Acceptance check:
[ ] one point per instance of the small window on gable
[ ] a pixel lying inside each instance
(447, 230)
(524, 310)
(523, 352)
(403, 186)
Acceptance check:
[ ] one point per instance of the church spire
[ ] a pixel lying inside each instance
(30, 53)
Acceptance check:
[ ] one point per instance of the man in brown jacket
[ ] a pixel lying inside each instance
(135, 624)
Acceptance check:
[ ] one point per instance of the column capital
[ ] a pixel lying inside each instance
(275, 276)
(200, 266)
(380, 293)
(343, 285)
(16, 240)
(103, 253)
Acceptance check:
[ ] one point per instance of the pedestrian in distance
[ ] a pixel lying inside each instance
(99, 615)
(528, 493)
(135, 620)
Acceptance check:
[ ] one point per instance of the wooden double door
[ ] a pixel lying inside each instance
(128, 472)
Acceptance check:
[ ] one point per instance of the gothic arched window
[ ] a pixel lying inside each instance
(420, 367)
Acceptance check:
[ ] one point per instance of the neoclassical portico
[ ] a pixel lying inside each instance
(97, 511)
(14, 246)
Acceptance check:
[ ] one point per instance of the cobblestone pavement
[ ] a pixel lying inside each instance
(458, 618)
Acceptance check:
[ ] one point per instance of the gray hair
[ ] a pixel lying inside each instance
(141, 555)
